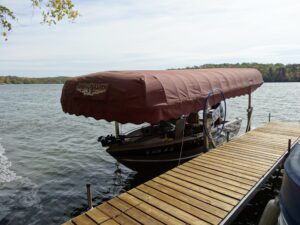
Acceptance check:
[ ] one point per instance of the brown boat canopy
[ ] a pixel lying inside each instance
(153, 95)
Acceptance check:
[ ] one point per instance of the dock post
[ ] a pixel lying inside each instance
(269, 117)
(289, 146)
(89, 195)
(288, 152)
(227, 136)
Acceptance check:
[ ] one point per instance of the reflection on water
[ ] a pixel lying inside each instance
(47, 157)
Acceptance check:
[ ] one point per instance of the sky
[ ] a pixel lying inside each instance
(156, 34)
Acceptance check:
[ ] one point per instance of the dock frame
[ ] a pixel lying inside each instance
(212, 188)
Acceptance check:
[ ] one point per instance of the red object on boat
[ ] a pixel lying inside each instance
(153, 95)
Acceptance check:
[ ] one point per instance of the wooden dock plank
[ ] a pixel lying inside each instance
(201, 189)
(262, 144)
(250, 153)
(216, 177)
(268, 136)
(142, 217)
(277, 131)
(151, 210)
(209, 186)
(248, 166)
(263, 163)
(215, 182)
(217, 173)
(119, 204)
(258, 143)
(186, 207)
(239, 172)
(68, 223)
(265, 138)
(165, 207)
(83, 220)
(238, 163)
(205, 190)
(110, 222)
(188, 199)
(249, 156)
(126, 220)
(97, 215)
(281, 132)
(261, 150)
(109, 210)
(133, 212)
(228, 165)
(194, 194)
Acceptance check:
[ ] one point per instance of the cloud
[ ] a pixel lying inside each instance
(120, 35)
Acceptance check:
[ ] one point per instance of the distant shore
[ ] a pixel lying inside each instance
(28, 80)
(271, 73)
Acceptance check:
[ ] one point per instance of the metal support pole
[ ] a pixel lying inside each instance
(249, 113)
(269, 117)
(205, 134)
(89, 195)
(117, 128)
(205, 140)
(228, 135)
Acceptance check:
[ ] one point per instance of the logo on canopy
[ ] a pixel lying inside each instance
(91, 89)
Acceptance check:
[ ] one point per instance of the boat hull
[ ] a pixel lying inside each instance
(168, 154)
(160, 158)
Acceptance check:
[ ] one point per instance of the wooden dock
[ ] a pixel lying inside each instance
(209, 189)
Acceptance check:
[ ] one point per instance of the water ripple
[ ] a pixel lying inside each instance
(6, 175)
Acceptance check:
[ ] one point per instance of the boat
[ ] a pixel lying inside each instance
(284, 208)
(185, 111)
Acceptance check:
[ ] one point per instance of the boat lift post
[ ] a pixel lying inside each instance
(227, 136)
(205, 140)
(117, 128)
(249, 113)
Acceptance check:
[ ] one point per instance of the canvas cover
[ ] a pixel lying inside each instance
(153, 95)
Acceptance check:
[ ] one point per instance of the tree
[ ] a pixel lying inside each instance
(6, 15)
(52, 11)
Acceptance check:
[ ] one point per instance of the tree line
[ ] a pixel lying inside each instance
(271, 72)
(27, 80)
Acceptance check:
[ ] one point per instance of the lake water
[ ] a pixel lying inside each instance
(47, 157)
